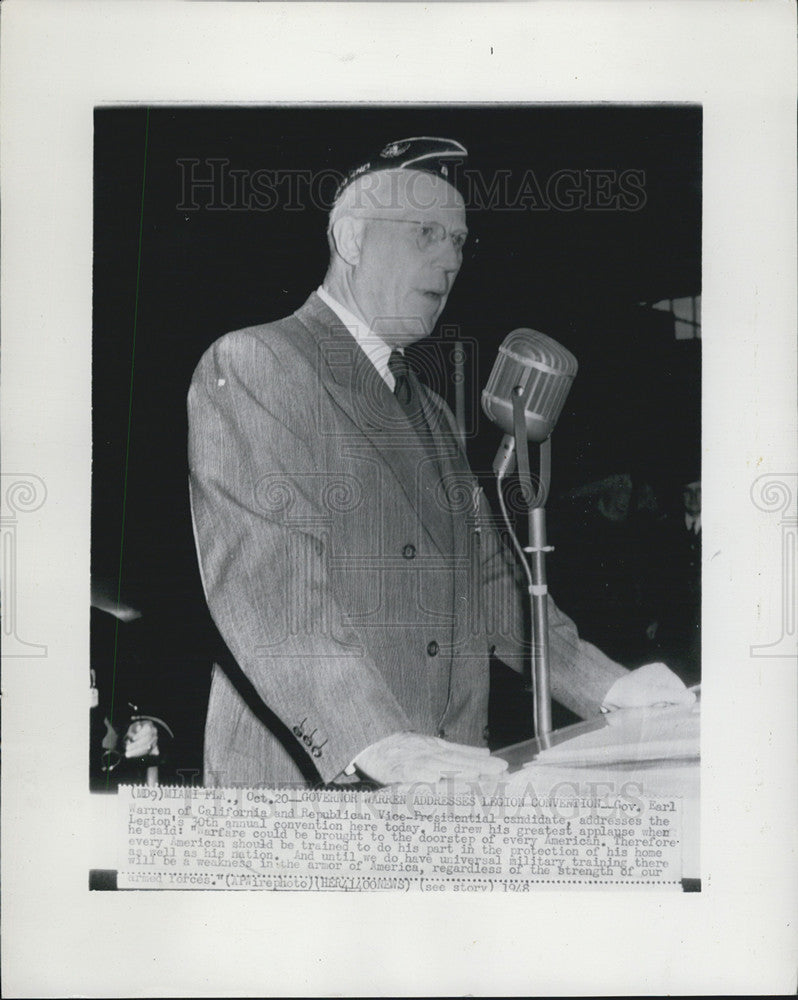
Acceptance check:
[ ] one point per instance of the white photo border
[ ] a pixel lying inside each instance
(60, 61)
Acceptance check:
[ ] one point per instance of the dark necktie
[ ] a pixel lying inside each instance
(409, 395)
(399, 367)
(407, 391)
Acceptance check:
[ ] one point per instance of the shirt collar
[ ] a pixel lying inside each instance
(375, 349)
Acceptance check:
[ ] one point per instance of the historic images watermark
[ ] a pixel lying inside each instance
(23, 493)
(214, 184)
(777, 493)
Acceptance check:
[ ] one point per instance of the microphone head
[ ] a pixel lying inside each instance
(538, 369)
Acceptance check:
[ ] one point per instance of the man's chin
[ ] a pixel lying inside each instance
(427, 321)
(408, 331)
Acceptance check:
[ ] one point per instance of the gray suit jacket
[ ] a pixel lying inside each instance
(356, 579)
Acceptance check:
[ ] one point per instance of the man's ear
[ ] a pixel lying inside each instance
(347, 234)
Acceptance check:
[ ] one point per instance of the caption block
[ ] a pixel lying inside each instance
(392, 840)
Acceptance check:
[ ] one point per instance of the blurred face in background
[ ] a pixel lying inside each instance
(691, 496)
(616, 497)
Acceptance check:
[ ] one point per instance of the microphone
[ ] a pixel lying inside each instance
(540, 371)
(525, 395)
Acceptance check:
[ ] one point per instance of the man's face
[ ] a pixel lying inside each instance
(691, 495)
(614, 501)
(400, 284)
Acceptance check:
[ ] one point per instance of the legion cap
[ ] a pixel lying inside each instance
(431, 154)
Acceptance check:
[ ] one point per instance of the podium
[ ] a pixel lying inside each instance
(655, 749)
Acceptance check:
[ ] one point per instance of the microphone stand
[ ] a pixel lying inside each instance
(535, 502)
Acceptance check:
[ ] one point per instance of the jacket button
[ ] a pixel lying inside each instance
(316, 751)
(432, 648)
(409, 551)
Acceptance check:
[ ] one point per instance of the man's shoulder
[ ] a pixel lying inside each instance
(279, 343)
(271, 337)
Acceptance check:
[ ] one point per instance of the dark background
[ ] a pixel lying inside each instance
(169, 280)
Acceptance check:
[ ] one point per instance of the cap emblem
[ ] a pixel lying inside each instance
(394, 149)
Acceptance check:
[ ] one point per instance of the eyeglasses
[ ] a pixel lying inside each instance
(428, 234)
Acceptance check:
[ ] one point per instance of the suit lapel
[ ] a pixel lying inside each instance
(356, 387)
(459, 490)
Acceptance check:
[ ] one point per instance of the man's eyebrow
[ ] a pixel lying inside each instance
(427, 222)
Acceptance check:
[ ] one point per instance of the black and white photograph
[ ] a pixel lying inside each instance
(354, 538)
(340, 609)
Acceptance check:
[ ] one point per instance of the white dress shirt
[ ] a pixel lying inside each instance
(375, 349)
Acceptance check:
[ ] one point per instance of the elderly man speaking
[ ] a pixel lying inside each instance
(346, 552)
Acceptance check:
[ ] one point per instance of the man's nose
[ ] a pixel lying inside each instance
(449, 258)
